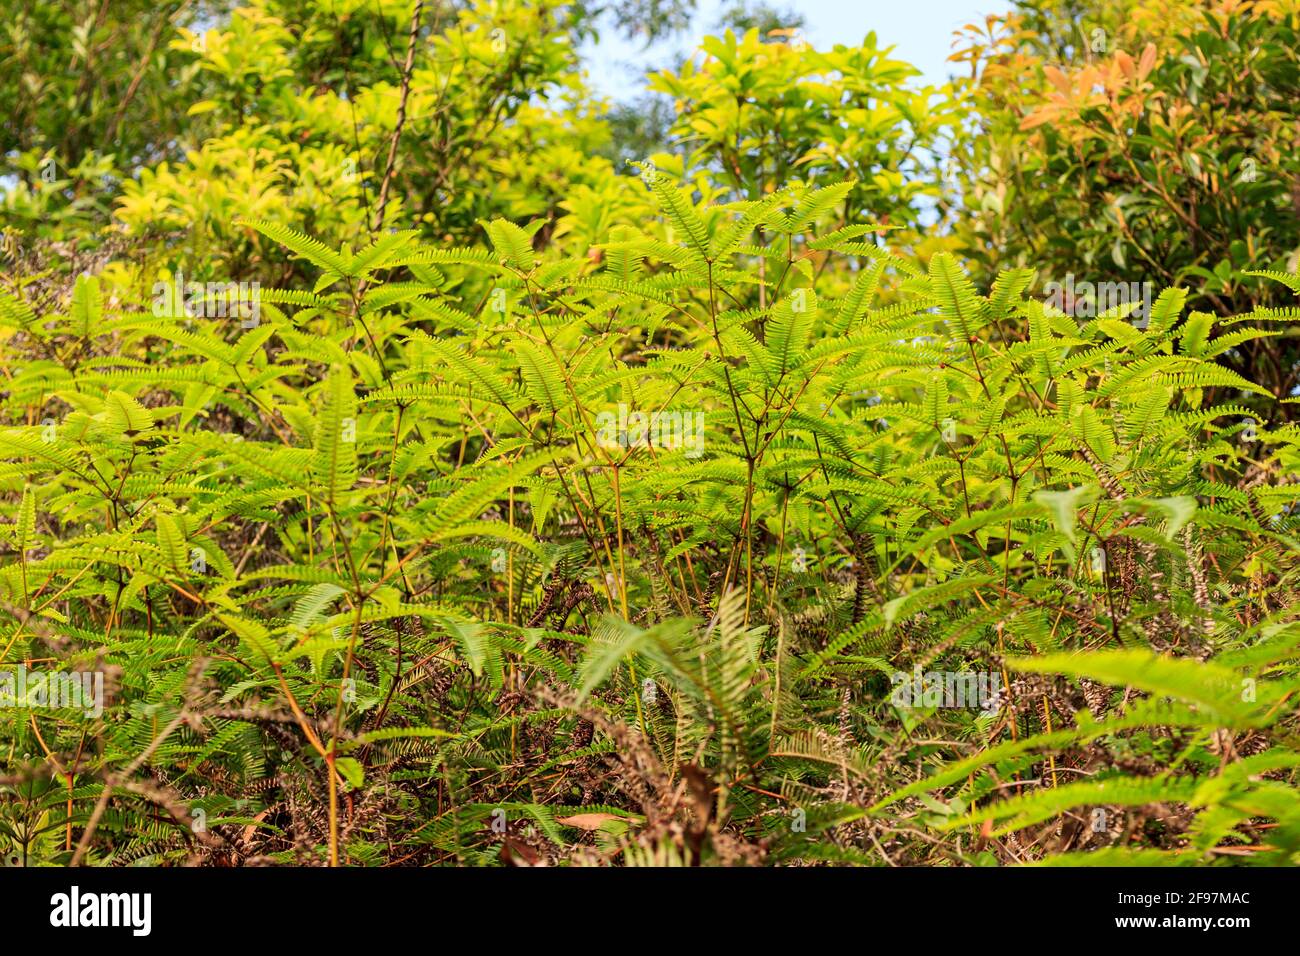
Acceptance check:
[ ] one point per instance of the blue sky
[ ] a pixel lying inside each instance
(921, 31)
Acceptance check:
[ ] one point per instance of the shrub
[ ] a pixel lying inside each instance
(397, 573)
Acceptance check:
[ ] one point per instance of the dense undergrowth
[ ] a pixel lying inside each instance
(494, 555)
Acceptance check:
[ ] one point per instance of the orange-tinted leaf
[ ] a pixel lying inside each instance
(1039, 117)
(1148, 61)
(1058, 79)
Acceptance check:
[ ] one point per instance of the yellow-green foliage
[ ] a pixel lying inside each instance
(422, 510)
(661, 512)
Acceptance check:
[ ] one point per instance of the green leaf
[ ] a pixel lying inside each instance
(124, 416)
(334, 448)
(87, 306)
(351, 770)
(512, 243)
(1219, 693)
(313, 250)
(1063, 507)
(171, 541)
(958, 301)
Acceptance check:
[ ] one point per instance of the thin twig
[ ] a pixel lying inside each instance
(401, 114)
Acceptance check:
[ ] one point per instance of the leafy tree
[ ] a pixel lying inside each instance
(780, 25)
(1139, 142)
(755, 114)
